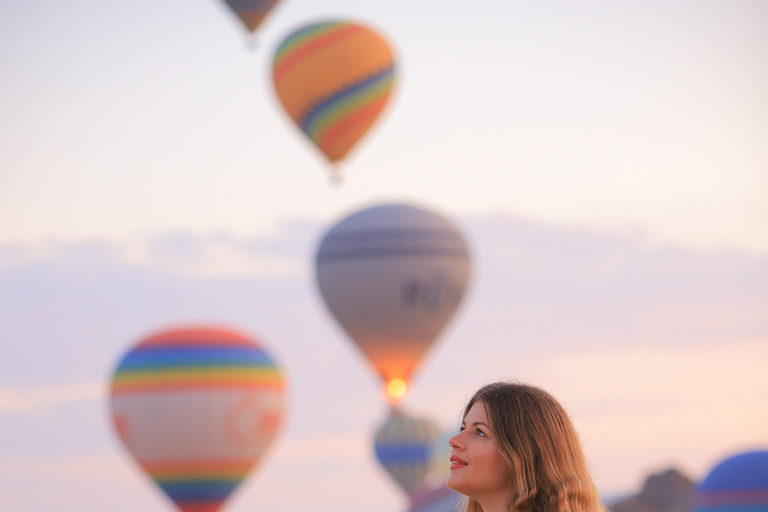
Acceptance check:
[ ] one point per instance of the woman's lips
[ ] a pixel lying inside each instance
(457, 462)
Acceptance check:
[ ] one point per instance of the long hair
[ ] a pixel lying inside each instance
(537, 439)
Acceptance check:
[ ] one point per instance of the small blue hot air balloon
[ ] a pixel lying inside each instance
(404, 446)
(737, 484)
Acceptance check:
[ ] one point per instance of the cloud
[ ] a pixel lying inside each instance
(37, 399)
(210, 256)
(218, 257)
(604, 265)
(640, 341)
(62, 467)
(509, 249)
(588, 288)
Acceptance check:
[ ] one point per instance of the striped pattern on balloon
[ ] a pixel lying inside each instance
(393, 275)
(197, 408)
(334, 79)
(737, 484)
(404, 446)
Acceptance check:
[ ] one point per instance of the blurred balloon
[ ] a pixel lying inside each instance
(439, 462)
(393, 275)
(403, 445)
(197, 408)
(334, 79)
(737, 484)
(251, 12)
(436, 499)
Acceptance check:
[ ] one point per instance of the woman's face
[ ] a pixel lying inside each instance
(478, 469)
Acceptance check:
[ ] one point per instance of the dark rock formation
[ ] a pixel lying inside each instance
(670, 491)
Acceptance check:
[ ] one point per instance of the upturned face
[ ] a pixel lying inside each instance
(478, 469)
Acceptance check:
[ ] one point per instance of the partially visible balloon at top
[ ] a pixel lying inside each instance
(334, 79)
(251, 12)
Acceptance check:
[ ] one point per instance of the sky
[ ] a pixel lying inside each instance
(606, 162)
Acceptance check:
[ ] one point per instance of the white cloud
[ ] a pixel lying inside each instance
(213, 256)
(90, 465)
(657, 351)
(33, 400)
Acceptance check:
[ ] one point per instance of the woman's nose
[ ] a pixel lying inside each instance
(455, 441)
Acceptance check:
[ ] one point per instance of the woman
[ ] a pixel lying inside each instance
(517, 451)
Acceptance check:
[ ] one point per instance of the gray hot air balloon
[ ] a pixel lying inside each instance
(393, 275)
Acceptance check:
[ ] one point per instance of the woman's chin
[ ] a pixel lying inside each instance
(451, 483)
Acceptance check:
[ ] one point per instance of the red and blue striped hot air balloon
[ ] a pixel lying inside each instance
(197, 408)
(334, 79)
(737, 484)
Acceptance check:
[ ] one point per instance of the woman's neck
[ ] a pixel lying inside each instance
(495, 503)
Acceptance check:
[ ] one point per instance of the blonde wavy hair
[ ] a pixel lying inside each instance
(537, 439)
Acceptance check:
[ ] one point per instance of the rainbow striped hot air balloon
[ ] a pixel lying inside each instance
(197, 408)
(334, 79)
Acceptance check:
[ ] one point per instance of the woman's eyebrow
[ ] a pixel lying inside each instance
(480, 423)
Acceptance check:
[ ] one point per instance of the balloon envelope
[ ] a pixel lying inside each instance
(334, 79)
(436, 499)
(403, 445)
(737, 484)
(251, 12)
(439, 463)
(197, 408)
(393, 275)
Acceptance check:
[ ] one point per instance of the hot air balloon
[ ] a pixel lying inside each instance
(251, 12)
(439, 468)
(197, 408)
(334, 79)
(403, 445)
(393, 275)
(737, 484)
(436, 499)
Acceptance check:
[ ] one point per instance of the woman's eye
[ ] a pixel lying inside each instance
(479, 432)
